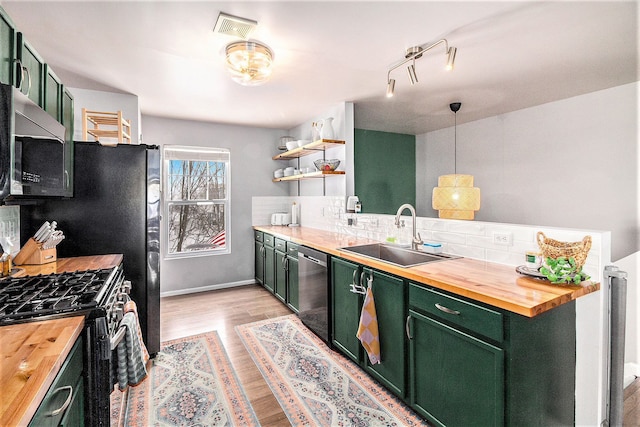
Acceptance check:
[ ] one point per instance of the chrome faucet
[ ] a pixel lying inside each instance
(417, 240)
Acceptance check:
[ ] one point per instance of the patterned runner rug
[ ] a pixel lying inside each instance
(191, 383)
(315, 385)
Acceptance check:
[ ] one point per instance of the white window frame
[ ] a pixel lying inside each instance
(196, 153)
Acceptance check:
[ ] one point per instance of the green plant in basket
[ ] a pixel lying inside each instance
(563, 270)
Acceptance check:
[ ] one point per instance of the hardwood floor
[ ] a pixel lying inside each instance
(222, 310)
(632, 404)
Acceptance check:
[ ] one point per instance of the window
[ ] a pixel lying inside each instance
(196, 200)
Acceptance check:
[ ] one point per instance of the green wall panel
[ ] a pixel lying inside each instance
(385, 170)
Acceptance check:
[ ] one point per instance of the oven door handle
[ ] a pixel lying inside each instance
(118, 337)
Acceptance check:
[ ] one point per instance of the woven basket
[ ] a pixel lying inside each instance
(554, 249)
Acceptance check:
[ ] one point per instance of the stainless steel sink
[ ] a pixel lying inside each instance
(403, 257)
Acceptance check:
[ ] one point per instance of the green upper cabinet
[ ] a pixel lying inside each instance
(384, 170)
(67, 122)
(7, 48)
(52, 94)
(30, 71)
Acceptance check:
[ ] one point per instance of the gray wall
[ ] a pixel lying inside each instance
(571, 163)
(251, 173)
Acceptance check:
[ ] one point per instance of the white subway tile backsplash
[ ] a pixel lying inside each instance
(442, 236)
(471, 239)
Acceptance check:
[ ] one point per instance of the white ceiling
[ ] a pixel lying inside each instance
(511, 55)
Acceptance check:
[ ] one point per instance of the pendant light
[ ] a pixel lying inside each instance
(455, 197)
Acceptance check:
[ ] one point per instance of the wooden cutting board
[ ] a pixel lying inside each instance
(31, 354)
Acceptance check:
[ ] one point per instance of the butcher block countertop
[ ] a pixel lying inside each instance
(32, 354)
(494, 284)
(80, 263)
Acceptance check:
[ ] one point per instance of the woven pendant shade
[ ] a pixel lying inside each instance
(455, 197)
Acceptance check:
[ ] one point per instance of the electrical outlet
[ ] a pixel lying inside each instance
(502, 238)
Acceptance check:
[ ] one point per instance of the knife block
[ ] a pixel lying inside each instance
(32, 253)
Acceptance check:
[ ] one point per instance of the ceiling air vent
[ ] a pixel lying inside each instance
(234, 26)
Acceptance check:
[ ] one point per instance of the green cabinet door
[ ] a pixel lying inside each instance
(345, 308)
(67, 121)
(259, 262)
(30, 72)
(280, 283)
(64, 402)
(455, 378)
(7, 48)
(52, 94)
(389, 299)
(292, 283)
(269, 268)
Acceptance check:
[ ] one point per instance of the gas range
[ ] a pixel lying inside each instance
(99, 296)
(46, 295)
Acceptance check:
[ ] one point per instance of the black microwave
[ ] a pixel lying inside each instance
(33, 151)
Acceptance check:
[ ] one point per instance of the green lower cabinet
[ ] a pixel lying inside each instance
(280, 283)
(269, 268)
(345, 308)
(292, 283)
(63, 405)
(259, 262)
(456, 379)
(389, 299)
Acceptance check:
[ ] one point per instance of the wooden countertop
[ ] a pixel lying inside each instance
(32, 355)
(62, 265)
(494, 284)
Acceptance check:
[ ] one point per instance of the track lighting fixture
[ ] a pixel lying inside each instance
(414, 53)
(391, 84)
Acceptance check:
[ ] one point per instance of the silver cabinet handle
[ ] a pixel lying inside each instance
(446, 310)
(362, 277)
(406, 327)
(66, 403)
(19, 64)
(353, 279)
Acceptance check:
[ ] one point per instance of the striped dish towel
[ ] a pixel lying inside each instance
(368, 328)
(132, 353)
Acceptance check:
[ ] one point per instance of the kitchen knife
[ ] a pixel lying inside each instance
(43, 228)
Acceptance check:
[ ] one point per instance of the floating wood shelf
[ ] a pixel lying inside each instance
(310, 175)
(122, 131)
(308, 149)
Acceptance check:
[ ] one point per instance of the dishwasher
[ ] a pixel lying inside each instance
(313, 295)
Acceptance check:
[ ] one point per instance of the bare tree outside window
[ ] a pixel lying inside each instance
(197, 201)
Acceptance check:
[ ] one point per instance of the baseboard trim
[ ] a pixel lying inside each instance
(206, 288)
(631, 372)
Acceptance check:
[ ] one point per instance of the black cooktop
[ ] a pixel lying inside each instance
(36, 296)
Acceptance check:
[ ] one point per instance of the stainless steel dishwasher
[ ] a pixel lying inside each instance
(313, 282)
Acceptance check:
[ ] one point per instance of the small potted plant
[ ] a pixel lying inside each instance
(563, 271)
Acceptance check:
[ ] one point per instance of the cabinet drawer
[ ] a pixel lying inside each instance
(268, 239)
(281, 245)
(258, 235)
(292, 249)
(453, 310)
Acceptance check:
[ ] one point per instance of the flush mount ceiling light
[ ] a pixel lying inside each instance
(249, 62)
(455, 197)
(414, 53)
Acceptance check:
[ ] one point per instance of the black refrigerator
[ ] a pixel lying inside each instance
(115, 209)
